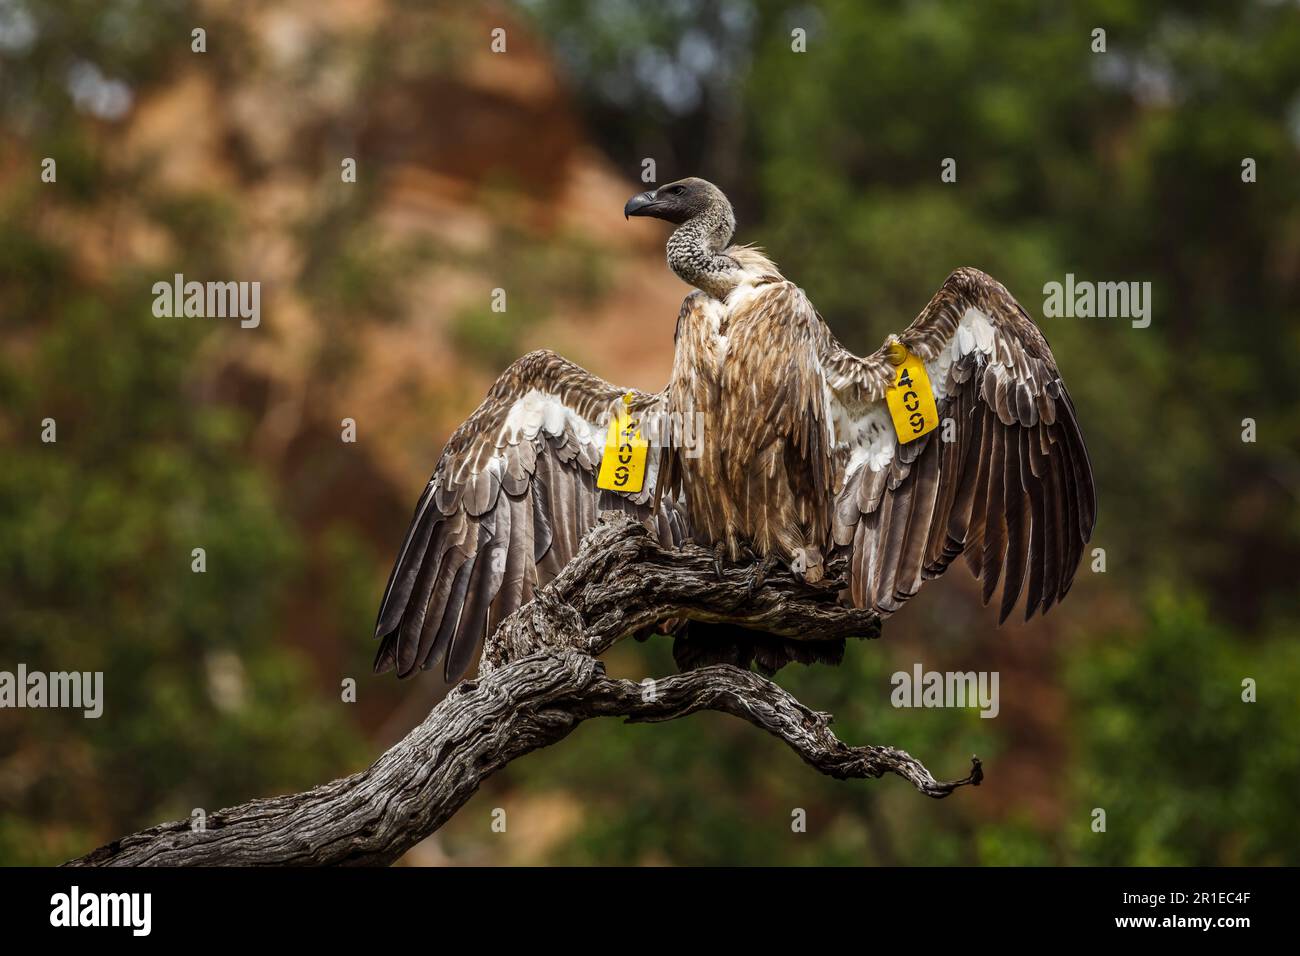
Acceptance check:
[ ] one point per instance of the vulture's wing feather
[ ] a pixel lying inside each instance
(1012, 492)
(512, 496)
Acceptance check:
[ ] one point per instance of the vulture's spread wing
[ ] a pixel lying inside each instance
(1012, 490)
(510, 500)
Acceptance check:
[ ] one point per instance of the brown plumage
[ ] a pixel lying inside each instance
(511, 498)
(798, 459)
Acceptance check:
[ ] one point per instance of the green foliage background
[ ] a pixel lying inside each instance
(1117, 166)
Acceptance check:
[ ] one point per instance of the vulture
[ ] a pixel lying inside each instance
(957, 438)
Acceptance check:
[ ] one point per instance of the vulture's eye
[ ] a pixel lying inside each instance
(675, 190)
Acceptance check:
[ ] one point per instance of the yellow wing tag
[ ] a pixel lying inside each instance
(911, 401)
(622, 467)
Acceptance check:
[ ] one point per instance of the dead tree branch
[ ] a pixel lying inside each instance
(539, 679)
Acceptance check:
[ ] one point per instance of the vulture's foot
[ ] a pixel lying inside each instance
(762, 568)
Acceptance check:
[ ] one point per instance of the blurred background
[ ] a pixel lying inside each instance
(478, 170)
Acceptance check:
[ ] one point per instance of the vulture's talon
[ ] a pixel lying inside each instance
(762, 568)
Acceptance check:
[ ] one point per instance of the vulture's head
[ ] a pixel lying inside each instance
(682, 202)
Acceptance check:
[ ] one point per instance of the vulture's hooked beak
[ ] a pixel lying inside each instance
(639, 202)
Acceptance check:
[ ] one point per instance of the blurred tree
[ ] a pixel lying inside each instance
(202, 705)
(1186, 770)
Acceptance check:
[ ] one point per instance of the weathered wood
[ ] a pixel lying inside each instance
(539, 679)
(622, 582)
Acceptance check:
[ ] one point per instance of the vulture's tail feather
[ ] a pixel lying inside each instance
(702, 643)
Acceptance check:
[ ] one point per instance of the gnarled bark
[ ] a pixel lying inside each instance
(538, 680)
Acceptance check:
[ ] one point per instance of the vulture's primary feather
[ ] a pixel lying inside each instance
(797, 459)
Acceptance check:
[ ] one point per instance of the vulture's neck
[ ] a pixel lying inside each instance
(695, 253)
